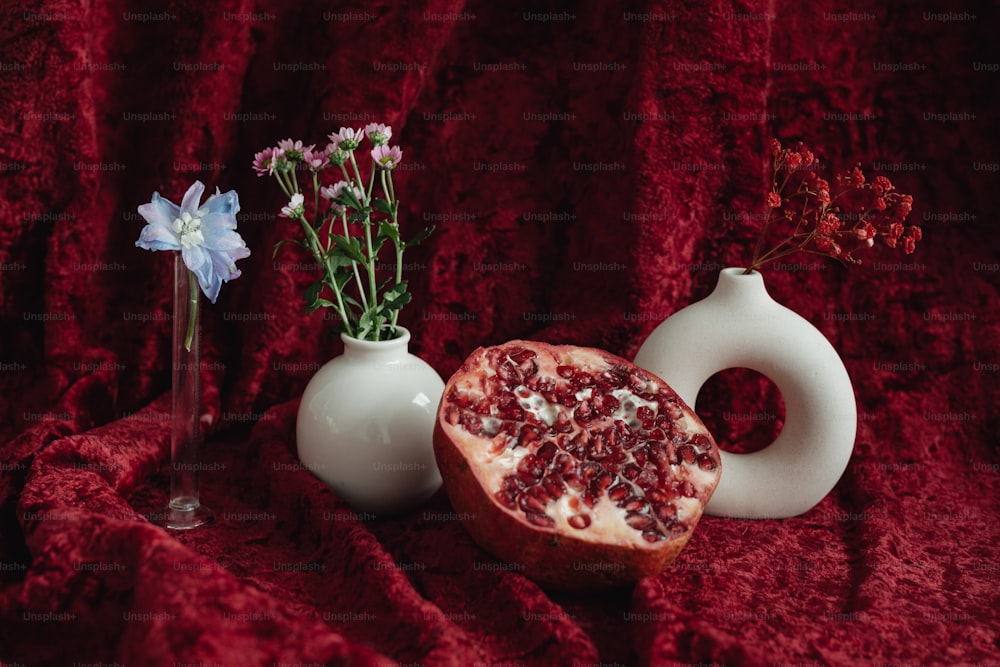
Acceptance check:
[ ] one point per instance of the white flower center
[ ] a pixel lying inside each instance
(188, 228)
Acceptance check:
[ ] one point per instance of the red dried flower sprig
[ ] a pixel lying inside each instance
(813, 218)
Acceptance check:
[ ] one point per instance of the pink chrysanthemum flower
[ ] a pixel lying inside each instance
(347, 138)
(262, 162)
(387, 157)
(378, 133)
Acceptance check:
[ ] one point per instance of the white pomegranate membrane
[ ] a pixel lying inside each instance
(585, 445)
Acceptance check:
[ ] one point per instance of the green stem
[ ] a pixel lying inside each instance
(332, 284)
(193, 309)
(372, 283)
(354, 265)
(317, 253)
(316, 196)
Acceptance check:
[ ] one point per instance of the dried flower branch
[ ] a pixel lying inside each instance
(810, 216)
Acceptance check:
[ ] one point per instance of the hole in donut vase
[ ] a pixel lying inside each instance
(742, 409)
(739, 325)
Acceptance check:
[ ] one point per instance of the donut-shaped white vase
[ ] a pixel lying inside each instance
(739, 325)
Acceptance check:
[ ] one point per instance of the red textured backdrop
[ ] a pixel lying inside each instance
(545, 140)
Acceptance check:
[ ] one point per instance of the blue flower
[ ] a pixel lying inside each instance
(204, 234)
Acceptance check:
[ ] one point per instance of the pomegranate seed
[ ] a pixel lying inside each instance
(451, 415)
(563, 424)
(636, 383)
(653, 536)
(566, 398)
(530, 502)
(554, 485)
(631, 471)
(656, 496)
(611, 404)
(541, 519)
(576, 445)
(583, 411)
(621, 377)
(565, 371)
(548, 451)
(531, 468)
(686, 453)
(678, 527)
(633, 504)
(582, 380)
(644, 414)
(665, 513)
(541, 384)
(647, 479)
(529, 434)
(597, 450)
(509, 373)
(471, 423)
(700, 442)
(513, 484)
(505, 499)
(617, 492)
(589, 470)
(601, 482)
(640, 456)
(579, 520)
(521, 355)
(706, 462)
(574, 481)
(659, 455)
(613, 467)
(640, 521)
(687, 489)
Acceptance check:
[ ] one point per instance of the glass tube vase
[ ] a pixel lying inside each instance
(185, 510)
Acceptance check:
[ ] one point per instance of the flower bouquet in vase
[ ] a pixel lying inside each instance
(739, 325)
(366, 420)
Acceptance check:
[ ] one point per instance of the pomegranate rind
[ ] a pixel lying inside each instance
(559, 557)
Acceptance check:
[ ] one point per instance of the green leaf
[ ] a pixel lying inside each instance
(311, 294)
(341, 278)
(366, 324)
(338, 260)
(351, 247)
(362, 215)
(422, 235)
(394, 299)
(347, 197)
(389, 230)
(319, 303)
(383, 206)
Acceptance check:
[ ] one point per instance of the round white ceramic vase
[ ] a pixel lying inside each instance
(739, 325)
(366, 422)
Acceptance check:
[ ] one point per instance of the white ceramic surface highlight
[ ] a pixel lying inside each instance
(366, 423)
(739, 325)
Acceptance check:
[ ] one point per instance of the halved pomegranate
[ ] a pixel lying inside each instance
(584, 470)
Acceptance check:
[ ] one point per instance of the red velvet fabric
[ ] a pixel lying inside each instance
(590, 167)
